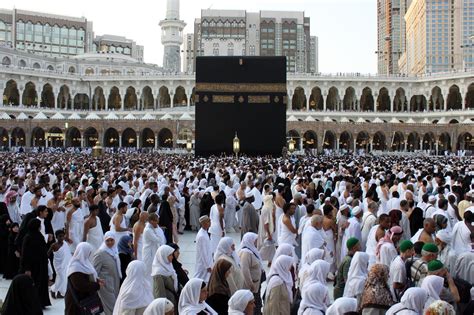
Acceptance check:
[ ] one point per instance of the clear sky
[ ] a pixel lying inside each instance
(347, 29)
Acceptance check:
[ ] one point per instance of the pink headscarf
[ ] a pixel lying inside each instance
(388, 238)
(11, 194)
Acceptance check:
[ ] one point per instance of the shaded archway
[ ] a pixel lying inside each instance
(130, 100)
(329, 141)
(298, 102)
(398, 141)
(91, 136)
(429, 142)
(363, 141)
(18, 137)
(436, 99)
(165, 138)
(6, 61)
(55, 137)
(11, 96)
(470, 96)
(89, 71)
(454, 99)
(147, 99)
(400, 103)
(81, 101)
(115, 100)
(379, 142)
(47, 96)
(293, 134)
(350, 99)
(98, 100)
(38, 137)
(367, 100)
(465, 142)
(3, 138)
(413, 142)
(333, 100)
(148, 138)
(418, 103)
(64, 98)
(316, 100)
(164, 97)
(345, 141)
(192, 100)
(383, 100)
(444, 143)
(73, 137)
(30, 96)
(180, 98)
(129, 138)
(310, 140)
(111, 138)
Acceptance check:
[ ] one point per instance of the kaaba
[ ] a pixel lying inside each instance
(243, 96)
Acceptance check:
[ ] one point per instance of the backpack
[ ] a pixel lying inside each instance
(410, 281)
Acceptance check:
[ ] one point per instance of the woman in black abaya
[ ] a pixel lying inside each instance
(12, 261)
(166, 219)
(21, 298)
(34, 260)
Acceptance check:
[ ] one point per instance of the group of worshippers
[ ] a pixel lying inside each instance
(394, 235)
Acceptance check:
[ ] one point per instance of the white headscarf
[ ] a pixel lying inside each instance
(189, 299)
(162, 266)
(112, 251)
(433, 286)
(136, 290)
(225, 248)
(239, 301)
(248, 245)
(281, 268)
(413, 300)
(357, 275)
(159, 307)
(81, 261)
(342, 305)
(318, 272)
(444, 236)
(315, 297)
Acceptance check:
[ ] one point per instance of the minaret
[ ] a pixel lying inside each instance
(172, 37)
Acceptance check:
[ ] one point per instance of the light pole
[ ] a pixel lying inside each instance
(236, 145)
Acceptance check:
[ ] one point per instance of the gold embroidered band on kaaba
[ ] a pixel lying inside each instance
(241, 87)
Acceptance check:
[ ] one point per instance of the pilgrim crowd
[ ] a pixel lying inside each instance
(319, 235)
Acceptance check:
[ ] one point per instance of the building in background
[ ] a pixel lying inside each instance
(188, 50)
(172, 37)
(391, 34)
(118, 45)
(439, 36)
(264, 33)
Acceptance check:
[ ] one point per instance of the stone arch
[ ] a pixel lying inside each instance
(50, 68)
(111, 138)
(81, 101)
(470, 96)
(418, 103)
(64, 98)
(350, 100)
(148, 138)
(30, 96)
(379, 142)
(454, 99)
(345, 141)
(91, 137)
(147, 100)
(55, 141)
(436, 99)
(180, 98)
(11, 95)
(316, 100)
(89, 71)
(298, 102)
(165, 138)
(38, 137)
(98, 100)
(400, 103)
(363, 141)
(454, 121)
(310, 140)
(130, 99)
(3, 138)
(129, 138)
(184, 134)
(47, 96)
(164, 97)
(413, 142)
(73, 137)
(295, 135)
(367, 100)
(444, 142)
(383, 100)
(115, 100)
(465, 142)
(333, 100)
(22, 63)
(6, 61)
(429, 141)
(36, 66)
(329, 142)
(71, 69)
(18, 137)
(398, 141)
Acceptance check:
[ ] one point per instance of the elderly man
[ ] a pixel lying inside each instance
(425, 235)
(313, 236)
(203, 250)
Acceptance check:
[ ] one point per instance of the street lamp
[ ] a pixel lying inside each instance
(291, 145)
(236, 145)
(189, 145)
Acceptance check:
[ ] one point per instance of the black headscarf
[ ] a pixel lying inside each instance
(22, 298)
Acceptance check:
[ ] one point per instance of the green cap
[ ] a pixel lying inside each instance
(405, 245)
(430, 247)
(435, 265)
(351, 243)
